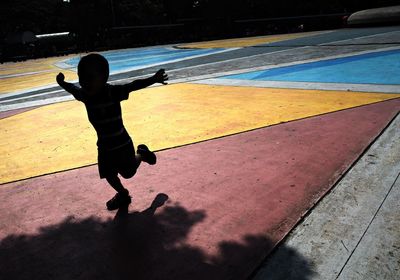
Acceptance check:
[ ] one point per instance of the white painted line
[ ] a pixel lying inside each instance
(4, 108)
(24, 74)
(158, 63)
(303, 85)
(252, 69)
(265, 67)
(169, 71)
(299, 48)
(33, 89)
(212, 63)
(309, 34)
(199, 79)
(2, 100)
(208, 76)
(63, 65)
(171, 61)
(241, 58)
(4, 95)
(357, 38)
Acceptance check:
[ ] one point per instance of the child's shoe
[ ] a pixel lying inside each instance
(119, 200)
(147, 155)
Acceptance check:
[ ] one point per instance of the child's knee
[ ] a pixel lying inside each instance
(128, 173)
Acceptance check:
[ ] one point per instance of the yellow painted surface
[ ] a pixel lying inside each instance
(247, 42)
(59, 137)
(34, 73)
(14, 84)
(33, 65)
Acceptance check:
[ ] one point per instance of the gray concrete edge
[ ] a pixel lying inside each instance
(322, 246)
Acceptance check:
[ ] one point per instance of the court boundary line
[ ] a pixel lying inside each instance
(25, 74)
(362, 37)
(138, 77)
(272, 66)
(69, 67)
(345, 87)
(129, 69)
(29, 96)
(188, 79)
(307, 34)
(194, 66)
(195, 79)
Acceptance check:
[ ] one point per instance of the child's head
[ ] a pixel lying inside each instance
(93, 71)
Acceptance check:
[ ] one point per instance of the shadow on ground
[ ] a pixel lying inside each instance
(137, 245)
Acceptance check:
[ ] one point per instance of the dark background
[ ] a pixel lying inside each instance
(108, 24)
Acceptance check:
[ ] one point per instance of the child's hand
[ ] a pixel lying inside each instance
(161, 77)
(60, 78)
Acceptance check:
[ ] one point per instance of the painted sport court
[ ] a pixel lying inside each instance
(251, 133)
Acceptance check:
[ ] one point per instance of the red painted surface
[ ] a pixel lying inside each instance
(231, 200)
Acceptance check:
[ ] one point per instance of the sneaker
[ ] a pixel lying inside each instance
(119, 200)
(147, 155)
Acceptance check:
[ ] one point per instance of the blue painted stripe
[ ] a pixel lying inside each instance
(121, 60)
(371, 68)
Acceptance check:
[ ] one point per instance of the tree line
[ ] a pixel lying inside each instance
(47, 16)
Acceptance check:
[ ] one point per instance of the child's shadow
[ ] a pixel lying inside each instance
(144, 242)
(151, 244)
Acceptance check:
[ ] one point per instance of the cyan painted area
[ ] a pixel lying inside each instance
(372, 68)
(124, 60)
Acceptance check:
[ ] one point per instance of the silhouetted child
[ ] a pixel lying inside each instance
(116, 153)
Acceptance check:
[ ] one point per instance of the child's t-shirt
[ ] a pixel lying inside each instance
(104, 113)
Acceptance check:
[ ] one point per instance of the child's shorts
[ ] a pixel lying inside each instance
(120, 161)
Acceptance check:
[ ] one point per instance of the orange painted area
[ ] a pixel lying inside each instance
(59, 137)
(248, 41)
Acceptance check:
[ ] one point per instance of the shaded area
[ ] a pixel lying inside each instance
(137, 245)
(291, 266)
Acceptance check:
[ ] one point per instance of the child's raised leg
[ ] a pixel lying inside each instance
(122, 198)
(146, 155)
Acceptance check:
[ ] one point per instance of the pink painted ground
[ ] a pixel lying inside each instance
(231, 200)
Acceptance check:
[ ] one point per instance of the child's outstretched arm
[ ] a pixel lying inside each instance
(69, 87)
(159, 77)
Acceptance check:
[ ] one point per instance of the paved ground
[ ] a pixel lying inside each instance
(251, 134)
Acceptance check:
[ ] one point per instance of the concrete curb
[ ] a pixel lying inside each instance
(375, 16)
